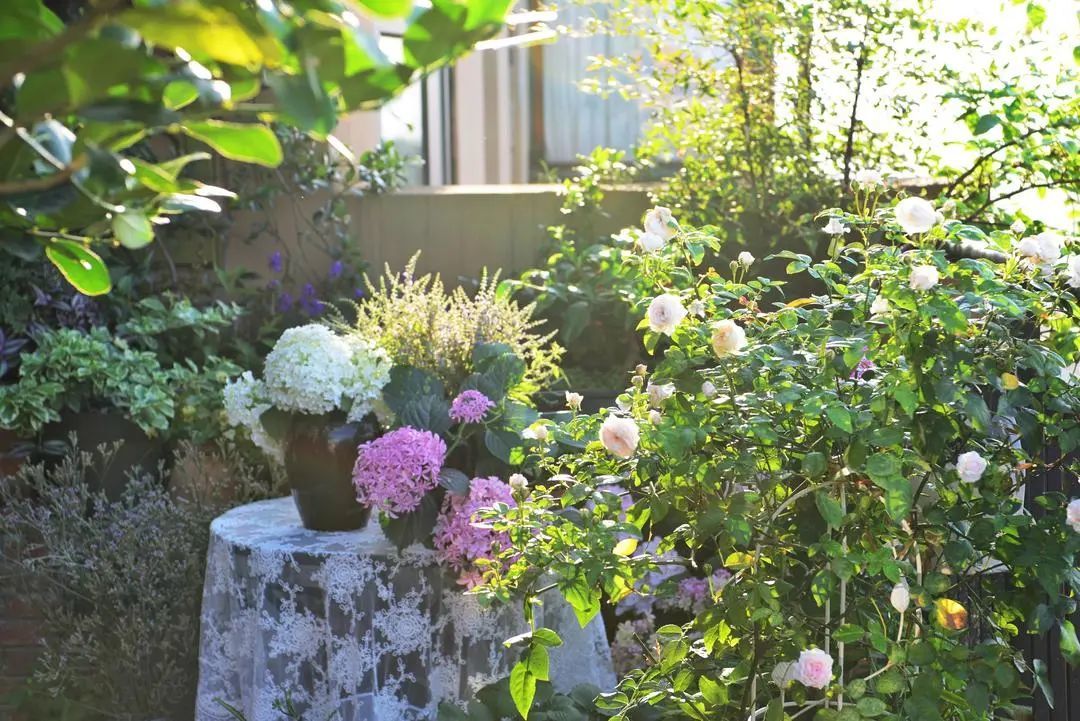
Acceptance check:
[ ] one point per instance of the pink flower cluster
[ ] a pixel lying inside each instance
(394, 472)
(470, 407)
(459, 537)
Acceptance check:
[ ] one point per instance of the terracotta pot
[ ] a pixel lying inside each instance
(319, 458)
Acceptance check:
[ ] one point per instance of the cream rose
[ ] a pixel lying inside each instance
(835, 227)
(659, 222)
(651, 242)
(970, 466)
(814, 668)
(867, 177)
(573, 400)
(1072, 514)
(923, 277)
(746, 259)
(880, 306)
(728, 337)
(708, 389)
(659, 392)
(665, 313)
(915, 215)
(1072, 271)
(620, 436)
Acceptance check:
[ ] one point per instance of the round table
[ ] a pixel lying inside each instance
(344, 623)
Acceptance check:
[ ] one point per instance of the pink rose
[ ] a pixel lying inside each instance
(1072, 515)
(620, 436)
(814, 668)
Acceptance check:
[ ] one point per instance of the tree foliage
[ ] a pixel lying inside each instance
(89, 104)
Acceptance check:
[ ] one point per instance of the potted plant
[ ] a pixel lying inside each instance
(309, 412)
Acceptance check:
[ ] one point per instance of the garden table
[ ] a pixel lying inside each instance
(345, 623)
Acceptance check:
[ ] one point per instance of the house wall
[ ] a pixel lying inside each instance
(458, 229)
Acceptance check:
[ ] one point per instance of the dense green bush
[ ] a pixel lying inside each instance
(856, 459)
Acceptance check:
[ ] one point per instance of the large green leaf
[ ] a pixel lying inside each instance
(205, 31)
(522, 688)
(132, 229)
(245, 142)
(82, 267)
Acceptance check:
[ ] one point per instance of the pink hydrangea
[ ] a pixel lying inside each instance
(460, 538)
(394, 472)
(470, 407)
(693, 594)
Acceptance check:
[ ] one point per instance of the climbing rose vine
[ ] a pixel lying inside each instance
(861, 460)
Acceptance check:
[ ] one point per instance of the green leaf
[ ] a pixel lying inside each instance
(82, 267)
(304, 103)
(775, 710)
(1036, 16)
(1070, 646)
(882, 466)
(522, 688)
(243, 142)
(547, 637)
(454, 481)
(1042, 680)
(870, 707)
(538, 662)
(986, 123)
(814, 464)
(841, 418)
(830, 509)
(132, 229)
(849, 633)
(388, 8)
(584, 599)
(204, 31)
(714, 693)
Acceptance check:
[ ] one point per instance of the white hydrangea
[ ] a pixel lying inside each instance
(245, 401)
(313, 370)
(371, 371)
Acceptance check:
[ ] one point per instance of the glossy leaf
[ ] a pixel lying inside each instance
(82, 267)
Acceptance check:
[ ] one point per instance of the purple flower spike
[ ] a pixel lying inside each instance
(284, 303)
(470, 407)
(276, 262)
(336, 269)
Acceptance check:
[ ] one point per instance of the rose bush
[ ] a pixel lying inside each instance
(856, 459)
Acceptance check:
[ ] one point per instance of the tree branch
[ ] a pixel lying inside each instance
(1022, 189)
(32, 185)
(991, 153)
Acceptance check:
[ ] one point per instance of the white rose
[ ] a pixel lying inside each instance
(970, 466)
(697, 308)
(923, 277)
(708, 390)
(867, 177)
(728, 337)
(1042, 249)
(835, 227)
(915, 215)
(658, 221)
(665, 312)
(650, 242)
(746, 259)
(880, 306)
(659, 392)
(1072, 271)
(1018, 227)
(518, 484)
(620, 436)
(900, 598)
(537, 432)
(1072, 514)
(655, 417)
(573, 400)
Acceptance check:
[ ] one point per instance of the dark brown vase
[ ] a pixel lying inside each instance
(319, 458)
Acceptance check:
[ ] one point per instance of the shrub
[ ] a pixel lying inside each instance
(118, 583)
(422, 325)
(855, 459)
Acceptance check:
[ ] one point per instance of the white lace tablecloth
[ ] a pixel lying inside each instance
(344, 623)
